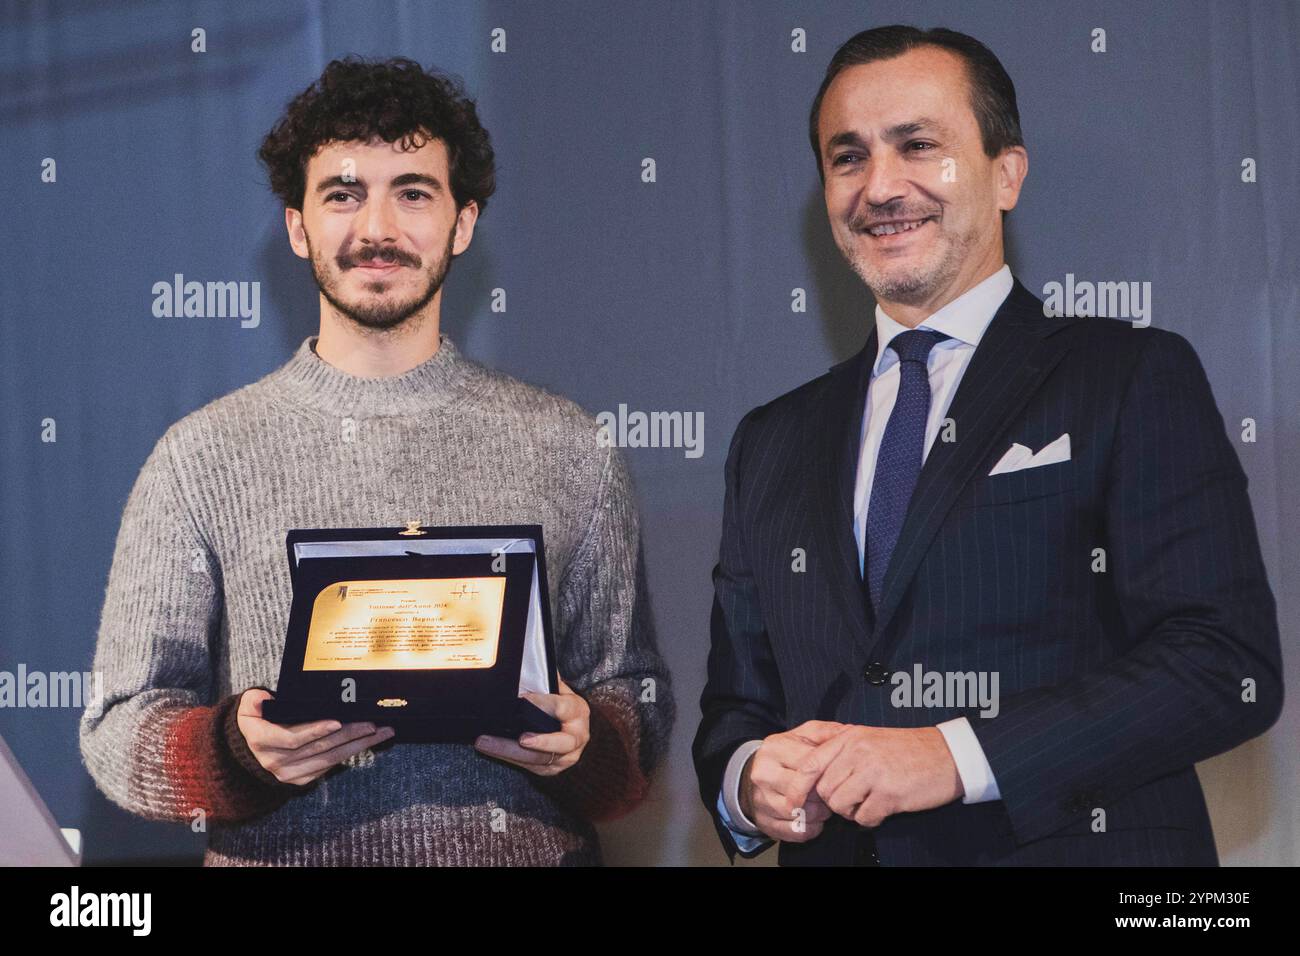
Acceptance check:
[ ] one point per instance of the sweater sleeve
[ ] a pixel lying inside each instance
(607, 653)
(155, 741)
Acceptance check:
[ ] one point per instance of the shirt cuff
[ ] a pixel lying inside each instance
(729, 798)
(748, 837)
(972, 766)
(744, 841)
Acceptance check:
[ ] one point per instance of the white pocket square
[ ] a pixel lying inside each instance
(1018, 457)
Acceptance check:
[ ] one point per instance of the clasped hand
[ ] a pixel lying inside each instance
(797, 779)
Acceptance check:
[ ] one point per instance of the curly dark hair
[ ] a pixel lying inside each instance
(358, 99)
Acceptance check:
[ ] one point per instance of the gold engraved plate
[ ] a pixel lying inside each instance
(406, 624)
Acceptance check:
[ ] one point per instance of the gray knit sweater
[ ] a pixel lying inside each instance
(198, 601)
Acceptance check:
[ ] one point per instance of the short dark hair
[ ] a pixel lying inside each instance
(992, 94)
(358, 99)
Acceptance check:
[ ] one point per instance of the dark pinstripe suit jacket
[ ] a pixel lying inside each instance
(1112, 683)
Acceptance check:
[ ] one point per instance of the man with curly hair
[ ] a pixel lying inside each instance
(383, 169)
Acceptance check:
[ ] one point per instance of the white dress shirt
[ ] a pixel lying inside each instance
(964, 320)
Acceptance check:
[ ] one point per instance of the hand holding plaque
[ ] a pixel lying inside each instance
(300, 753)
(546, 754)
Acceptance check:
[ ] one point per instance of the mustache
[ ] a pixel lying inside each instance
(864, 219)
(387, 255)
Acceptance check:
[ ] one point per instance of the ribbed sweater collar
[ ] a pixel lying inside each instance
(307, 379)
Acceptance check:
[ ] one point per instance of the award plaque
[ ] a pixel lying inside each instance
(434, 632)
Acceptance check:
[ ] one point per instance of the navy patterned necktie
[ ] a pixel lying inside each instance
(898, 465)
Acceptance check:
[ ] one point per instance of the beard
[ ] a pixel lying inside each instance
(379, 310)
(912, 284)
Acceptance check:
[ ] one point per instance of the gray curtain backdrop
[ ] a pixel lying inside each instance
(672, 295)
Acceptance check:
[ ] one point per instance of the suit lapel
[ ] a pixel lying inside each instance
(1013, 358)
(837, 430)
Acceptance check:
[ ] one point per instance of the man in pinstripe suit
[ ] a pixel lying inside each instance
(984, 497)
